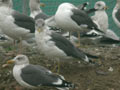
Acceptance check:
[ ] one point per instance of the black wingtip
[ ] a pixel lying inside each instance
(86, 3)
(92, 56)
(94, 63)
(67, 84)
(99, 30)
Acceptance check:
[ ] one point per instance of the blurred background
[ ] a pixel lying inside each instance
(51, 6)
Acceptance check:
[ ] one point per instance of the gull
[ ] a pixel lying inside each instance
(54, 45)
(51, 20)
(101, 17)
(36, 11)
(33, 76)
(16, 25)
(69, 17)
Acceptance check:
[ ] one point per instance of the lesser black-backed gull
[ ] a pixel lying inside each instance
(33, 76)
(15, 24)
(51, 20)
(36, 11)
(73, 19)
(56, 46)
(116, 13)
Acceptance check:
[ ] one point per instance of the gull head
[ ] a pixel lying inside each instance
(19, 60)
(6, 3)
(100, 5)
(39, 25)
(65, 6)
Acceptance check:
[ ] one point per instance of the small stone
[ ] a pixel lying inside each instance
(79, 62)
(5, 65)
(99, 72)
(110, 69)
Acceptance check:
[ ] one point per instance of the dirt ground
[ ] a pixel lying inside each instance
(106, 76)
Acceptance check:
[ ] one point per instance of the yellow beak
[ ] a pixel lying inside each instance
(42, 4)
(105, 8)
(39, 30)
(10, 61)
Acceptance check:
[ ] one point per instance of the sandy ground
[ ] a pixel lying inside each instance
(85, 77)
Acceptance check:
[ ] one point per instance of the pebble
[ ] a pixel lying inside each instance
(110, 69)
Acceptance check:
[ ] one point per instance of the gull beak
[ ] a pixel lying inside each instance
(105, 8)
(39, 30)
(42, 4)
(10, 61)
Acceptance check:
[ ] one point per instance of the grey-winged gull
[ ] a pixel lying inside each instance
(116, 13)
(36, 11)
(69, 17)
(33, 76)
(56, 46)
(4, 38)
(51, 20)
(15, 24)
(72, 18)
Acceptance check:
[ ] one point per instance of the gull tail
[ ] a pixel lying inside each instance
(91, 56)
(99, 30)
(66, 85)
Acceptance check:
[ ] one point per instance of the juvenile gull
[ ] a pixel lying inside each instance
(101, 17)
(33, 76)
(56, 46)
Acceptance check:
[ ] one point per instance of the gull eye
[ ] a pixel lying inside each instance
(35, 24)
(19, 58)
(38, 1)
(98, 5)
(4, 0)
(43, 24)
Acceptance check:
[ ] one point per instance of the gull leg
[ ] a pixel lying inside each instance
(20, 46)
(58, 71)
(77, 45)
(69, 34)
(13, 52)
(57, 67)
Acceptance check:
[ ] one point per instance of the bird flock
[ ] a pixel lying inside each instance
(57, 37)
